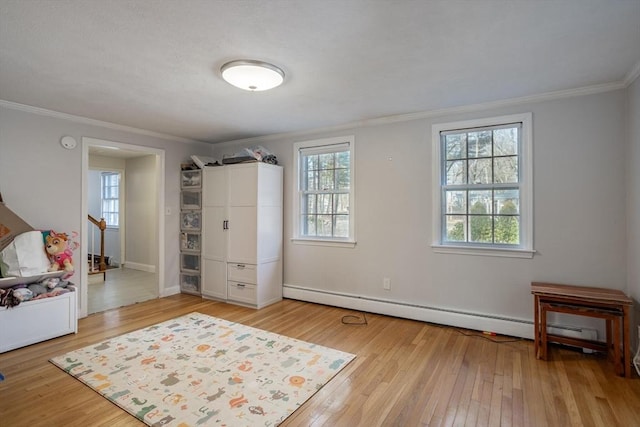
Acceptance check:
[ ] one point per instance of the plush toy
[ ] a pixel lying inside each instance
(8, 298)
(57, 246)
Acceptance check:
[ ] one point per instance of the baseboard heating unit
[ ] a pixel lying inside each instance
(475, 321)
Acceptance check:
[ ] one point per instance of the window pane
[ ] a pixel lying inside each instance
(327, 180)
(479, 144)
(343, 179)
(480, 171)
(456, 172)
(309, 203)
(342, 204)
(480, 202)
(456, 202)
(310, 162)
(507, 202)
(456, 228)
(480, 229)
(325, 203)
(505, 169)
(310, 180)
(343, 159)
(324, 226)
(327, 161)
(455, 146)
(507, 230)
(341, 228)
(309, 224)
(505, 142)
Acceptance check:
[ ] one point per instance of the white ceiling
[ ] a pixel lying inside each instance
(154, 64)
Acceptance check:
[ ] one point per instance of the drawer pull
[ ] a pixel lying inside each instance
(240, 266)
(240, 285)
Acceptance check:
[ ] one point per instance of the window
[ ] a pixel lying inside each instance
(324, 191)
(110, 198)
(482, 196)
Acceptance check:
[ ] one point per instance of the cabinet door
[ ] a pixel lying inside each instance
(214, 186)
(214, 280)
(243, 185)
(243, 234)
(214, 235)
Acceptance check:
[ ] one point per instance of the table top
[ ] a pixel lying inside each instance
(585, 293)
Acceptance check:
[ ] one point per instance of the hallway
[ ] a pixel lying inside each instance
(122, 287)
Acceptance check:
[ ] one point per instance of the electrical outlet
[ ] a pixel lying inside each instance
(386, 283)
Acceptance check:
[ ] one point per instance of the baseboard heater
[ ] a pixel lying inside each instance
(574, 332)
(443, 316)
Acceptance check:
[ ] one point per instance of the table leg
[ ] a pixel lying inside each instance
(610, 341)
(536, 326)
(543, 331)
(618, 363)
(626, 345)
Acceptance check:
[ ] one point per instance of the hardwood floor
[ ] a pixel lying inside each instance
(122, 286)
(406, 373)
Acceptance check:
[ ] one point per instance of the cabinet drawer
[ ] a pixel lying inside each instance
(242, 273)
(242, 292)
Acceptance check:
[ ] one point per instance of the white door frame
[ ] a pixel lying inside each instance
(160, 183)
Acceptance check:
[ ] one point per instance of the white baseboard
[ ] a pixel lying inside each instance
(475, 321)
(170, 291)
(140, 267)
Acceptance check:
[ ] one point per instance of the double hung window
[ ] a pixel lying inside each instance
(324, 191)
(483, 194)
(110, 195)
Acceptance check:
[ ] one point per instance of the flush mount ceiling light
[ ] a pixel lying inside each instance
(252, 75)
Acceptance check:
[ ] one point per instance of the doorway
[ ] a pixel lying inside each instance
(134, 237)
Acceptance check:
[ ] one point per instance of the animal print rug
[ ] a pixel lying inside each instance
(201, 370)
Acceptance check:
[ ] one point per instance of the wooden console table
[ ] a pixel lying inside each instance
(608, 304)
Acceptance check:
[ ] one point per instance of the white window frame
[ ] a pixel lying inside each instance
(103, 199)
(525, 249)
(323, 145)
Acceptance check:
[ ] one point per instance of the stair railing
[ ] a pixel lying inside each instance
(102, 225)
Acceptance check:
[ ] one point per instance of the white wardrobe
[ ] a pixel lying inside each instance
(242, 233)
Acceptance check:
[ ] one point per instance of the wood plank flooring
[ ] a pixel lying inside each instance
(406, 373)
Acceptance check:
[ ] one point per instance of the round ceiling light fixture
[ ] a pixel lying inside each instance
(252, 75)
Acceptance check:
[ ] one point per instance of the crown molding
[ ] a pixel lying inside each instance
(93, 122)
(510, 102)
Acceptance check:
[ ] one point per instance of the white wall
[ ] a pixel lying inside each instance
(579, 220)
(141, 244)
(42, 182)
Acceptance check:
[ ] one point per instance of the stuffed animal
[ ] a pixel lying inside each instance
(8, 298)
(57, 246)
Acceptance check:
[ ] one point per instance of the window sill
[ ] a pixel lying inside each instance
(322, 242)
(496, 252)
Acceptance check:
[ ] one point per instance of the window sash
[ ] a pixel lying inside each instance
(489, 218)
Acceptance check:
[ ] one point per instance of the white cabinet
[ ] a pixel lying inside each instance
(242, 233)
